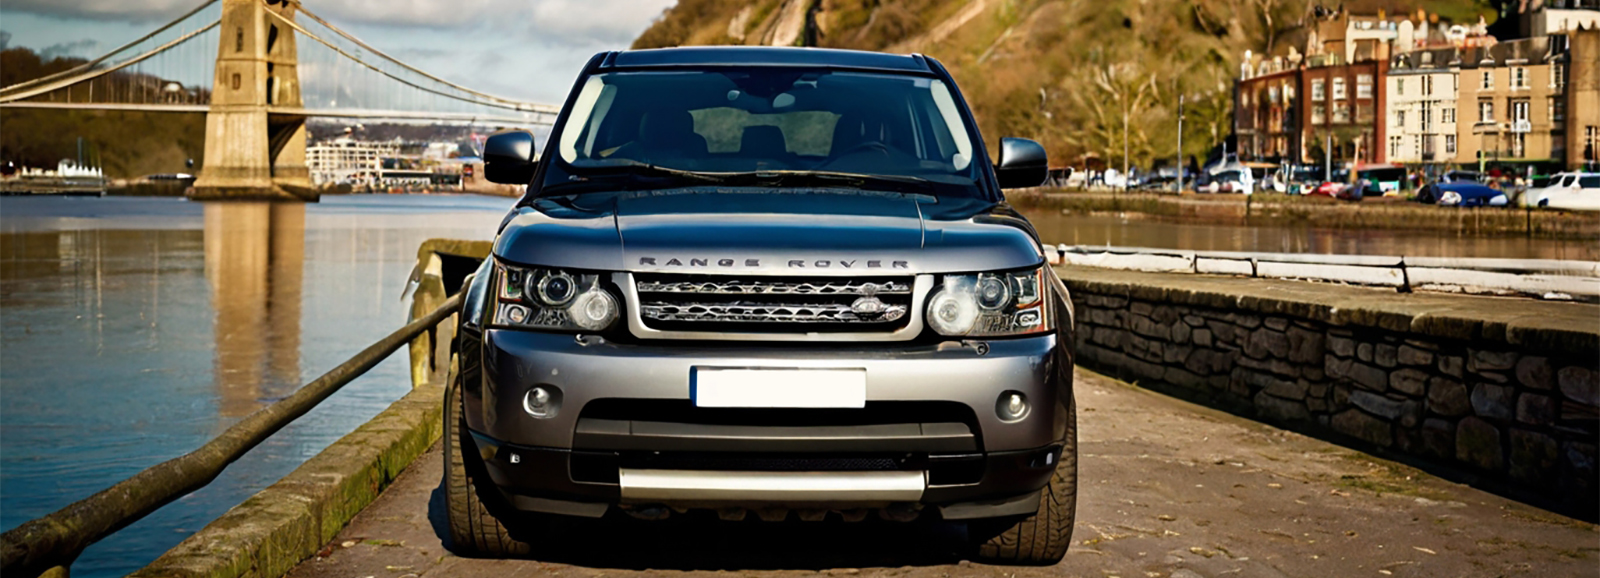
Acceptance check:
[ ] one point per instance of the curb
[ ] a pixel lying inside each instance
(272, 531)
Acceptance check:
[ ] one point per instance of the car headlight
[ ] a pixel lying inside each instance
(539, 298)
(990, 304)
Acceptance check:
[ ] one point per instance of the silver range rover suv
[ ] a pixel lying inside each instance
(766, 282)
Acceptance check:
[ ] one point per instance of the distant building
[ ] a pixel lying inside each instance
(1546, 17)
(344, 160)
(1268, 118)
(1513, 100)
(1421, 107)
(1583, 100)
(1291, 114)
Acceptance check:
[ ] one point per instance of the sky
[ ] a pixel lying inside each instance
(521, 49)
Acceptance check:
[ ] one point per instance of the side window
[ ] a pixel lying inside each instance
(1590, 182)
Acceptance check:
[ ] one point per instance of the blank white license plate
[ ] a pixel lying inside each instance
(804, 388)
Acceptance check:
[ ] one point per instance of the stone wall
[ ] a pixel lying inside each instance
(1504, 389)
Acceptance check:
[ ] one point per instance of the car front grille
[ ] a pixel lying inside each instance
(706, 303)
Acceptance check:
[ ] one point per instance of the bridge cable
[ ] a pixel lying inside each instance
(11, 98)
(318, 19)
(106, 56)
(507, 104)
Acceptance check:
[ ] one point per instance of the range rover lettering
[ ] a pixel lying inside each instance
(766, 282)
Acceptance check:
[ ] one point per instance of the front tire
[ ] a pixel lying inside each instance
(1040, 539)
(475, 530)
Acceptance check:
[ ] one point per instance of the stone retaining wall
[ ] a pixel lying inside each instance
(1502, 388)
(287, 522)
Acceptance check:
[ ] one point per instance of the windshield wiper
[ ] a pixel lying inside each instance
(633, 167)
(856, 179)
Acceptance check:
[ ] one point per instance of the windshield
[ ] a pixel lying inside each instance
(753, 126)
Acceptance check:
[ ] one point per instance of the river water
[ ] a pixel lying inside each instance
(134, 330)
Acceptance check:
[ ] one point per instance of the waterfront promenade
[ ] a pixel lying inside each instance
(1167, 489)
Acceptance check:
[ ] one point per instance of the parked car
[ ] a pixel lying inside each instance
(1230, 181)
(832, 314)
(1328, 189)
(1463, 195)
(1575, 191)
(1361, 189)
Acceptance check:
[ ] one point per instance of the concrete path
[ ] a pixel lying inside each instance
(1168, 489)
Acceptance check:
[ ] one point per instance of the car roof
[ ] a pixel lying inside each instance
(766, 56)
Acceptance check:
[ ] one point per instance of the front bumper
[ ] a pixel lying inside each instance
(626, 431)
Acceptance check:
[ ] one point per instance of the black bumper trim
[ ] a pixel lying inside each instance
(550, 473)
(636, 435)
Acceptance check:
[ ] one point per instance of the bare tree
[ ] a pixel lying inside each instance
(1117, 99)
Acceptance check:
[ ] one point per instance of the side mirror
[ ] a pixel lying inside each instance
(508, 157)
(1023, 163)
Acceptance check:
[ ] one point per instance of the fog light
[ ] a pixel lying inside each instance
(541, 402)
(1011, 406)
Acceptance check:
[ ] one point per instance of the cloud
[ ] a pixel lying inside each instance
(104, 9)
(590, 22)
(528, 49)
(83, 48)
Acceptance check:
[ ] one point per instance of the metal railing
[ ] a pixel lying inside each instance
(48, 545)
(1542, 278)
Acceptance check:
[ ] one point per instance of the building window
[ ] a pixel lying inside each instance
(1519, 77)
(1341, 112)
(1485, 111)
(1318, 90)
(1364, 112)
(1591, 143)
(1394, 147)
(1449, 144)
(1427, 117)
(1488, 80)
(1558, 75)
(1338, 89)
(1364, 86)
(1519, 145)
(1558, 109)
(1400, 119)
(1519, 111)
(1319, 114)
(1427, 86)
(1400, 87)
(1447, 116)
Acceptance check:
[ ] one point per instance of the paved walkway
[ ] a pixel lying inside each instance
(1168, 489)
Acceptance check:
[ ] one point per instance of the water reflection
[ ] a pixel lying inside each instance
(255, 263)
(133, 330)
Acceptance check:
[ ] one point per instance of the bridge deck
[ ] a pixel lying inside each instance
(1166, 489)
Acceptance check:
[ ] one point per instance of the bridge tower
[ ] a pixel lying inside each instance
(255, 128)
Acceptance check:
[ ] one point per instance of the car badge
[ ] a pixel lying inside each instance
(873, 309)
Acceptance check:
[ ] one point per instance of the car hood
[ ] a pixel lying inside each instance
(767, 231)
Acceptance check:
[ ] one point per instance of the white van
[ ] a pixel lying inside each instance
(1574, 191)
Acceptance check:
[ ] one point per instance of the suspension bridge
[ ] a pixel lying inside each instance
(259, 69)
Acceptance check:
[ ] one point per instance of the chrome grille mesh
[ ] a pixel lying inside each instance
(777, 287)
(773, 304)
(738, 312)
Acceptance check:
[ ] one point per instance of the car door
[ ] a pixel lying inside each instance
(1586, 194)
